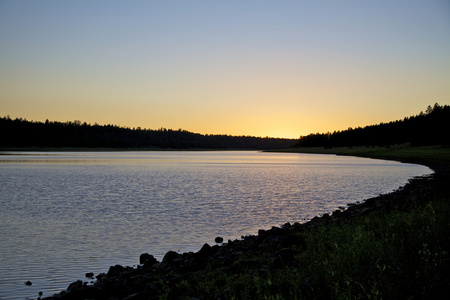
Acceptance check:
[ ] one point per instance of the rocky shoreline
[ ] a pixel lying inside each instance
(145, 280)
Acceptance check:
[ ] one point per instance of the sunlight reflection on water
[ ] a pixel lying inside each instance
(65, 214)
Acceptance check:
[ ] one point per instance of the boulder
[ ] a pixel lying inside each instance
(172, 256)
(86, 292)
(147, 260)
(115, 270)
(205, 250)
(100, 276)
(75, 286)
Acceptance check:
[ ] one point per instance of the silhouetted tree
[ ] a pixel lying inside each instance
(429, 128)
(23, 133)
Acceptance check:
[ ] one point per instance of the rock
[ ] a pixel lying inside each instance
(147, 260)
(326, 217)
(90, 275)
(171, 256)
(75, 286)
(28, 282)
(204, 251)
(219, 239)
(286, 226)
(86, 292)
(115, 270)
(143, 258)
(136, 296)
(100, 276)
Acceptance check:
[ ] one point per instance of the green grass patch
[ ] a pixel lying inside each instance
(426, 154)
(386, 255)
(393, 255)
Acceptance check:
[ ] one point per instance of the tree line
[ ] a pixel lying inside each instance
(427, 128)
(75, 134)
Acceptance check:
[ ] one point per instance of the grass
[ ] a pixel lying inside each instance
(397, 252)
(429, 155)
(387, 255)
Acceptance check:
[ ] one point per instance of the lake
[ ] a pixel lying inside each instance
(63, 214)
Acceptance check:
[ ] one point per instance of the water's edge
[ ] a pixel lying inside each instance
(207, 252)
(220, 253)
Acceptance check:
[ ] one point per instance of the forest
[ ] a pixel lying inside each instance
(427, 128)
(20, 133)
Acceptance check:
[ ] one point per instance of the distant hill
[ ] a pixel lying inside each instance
(20, 133)
(429, 128)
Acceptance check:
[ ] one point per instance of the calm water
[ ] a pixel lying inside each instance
(65, 214)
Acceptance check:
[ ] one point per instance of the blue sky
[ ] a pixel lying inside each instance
(264, 68)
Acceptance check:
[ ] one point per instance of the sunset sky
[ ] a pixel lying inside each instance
(260, 68)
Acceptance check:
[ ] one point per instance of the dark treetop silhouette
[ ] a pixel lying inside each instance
(429, 128)
(22, 133)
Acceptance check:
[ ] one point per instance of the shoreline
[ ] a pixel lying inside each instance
(261, 253)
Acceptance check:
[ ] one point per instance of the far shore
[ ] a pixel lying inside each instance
(82, 149)
(427, 155)
(434, 157)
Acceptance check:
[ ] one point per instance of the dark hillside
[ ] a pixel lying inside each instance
(20, 133)
(429, 128)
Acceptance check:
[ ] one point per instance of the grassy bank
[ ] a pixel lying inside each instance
(432, 156)
(399, 251)
(387, 255)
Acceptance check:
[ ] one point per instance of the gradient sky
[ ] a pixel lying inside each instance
(261, 68)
